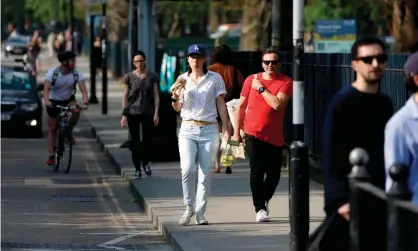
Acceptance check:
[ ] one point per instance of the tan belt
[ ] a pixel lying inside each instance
(199, 122)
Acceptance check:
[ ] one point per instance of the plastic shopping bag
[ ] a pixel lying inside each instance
(232, 107)
(227, 157)
(238, 149)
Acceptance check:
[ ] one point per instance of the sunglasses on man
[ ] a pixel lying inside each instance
(268, 62)
(381, 59)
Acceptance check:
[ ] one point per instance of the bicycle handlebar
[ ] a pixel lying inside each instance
(67, 108)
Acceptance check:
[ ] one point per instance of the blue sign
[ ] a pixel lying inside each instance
(334, 36)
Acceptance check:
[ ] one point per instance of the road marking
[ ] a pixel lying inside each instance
(108, 244)
(106, 207)
(151, 232)
(38, 181)
(119, 239)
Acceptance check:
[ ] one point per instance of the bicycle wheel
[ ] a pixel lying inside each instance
(59, 146)
(68, 152)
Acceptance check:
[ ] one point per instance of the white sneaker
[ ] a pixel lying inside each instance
(262, 216)
(187, 216)
(200, 219)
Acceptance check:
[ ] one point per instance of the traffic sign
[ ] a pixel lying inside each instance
(104, 21)
(94, 7)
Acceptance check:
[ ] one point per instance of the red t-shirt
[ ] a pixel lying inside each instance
(261, 120)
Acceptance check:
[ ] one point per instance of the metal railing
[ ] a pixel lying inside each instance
(379, 220)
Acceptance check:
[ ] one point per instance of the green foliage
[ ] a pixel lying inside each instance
(47, 10)
(368, 13)
(12, 11)
(190, 11)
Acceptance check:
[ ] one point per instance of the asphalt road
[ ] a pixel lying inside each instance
(90, 208)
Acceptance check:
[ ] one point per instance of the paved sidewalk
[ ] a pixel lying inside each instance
(230, 211)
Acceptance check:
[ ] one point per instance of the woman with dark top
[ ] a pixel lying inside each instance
(140, 104)
(233, 84)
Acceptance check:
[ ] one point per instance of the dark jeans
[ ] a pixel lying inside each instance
(265, 160)
(140, 150)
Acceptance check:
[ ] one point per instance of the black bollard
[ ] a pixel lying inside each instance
(93, 98)
(396, 222)
(299, 196)
(358, 158)
(104, 23)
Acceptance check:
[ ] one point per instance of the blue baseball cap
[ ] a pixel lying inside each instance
(196, 49)
(411, 65)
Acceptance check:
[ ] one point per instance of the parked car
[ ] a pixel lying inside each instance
(21, 106)
(16, 45)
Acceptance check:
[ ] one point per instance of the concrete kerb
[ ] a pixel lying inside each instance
(179, 241)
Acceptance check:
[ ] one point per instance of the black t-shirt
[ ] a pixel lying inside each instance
(141, 93)
(354, 119)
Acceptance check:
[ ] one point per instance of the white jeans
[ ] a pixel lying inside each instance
(199, 142)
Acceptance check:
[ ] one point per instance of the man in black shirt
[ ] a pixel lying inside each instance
(356, 117)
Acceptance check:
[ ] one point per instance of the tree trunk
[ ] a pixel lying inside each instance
(213, 17)
(256, 14)
(405, 25)
(175, 27)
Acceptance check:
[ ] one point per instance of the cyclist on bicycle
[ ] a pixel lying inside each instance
(59, 89)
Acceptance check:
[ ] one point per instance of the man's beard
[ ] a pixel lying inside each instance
(373, 81)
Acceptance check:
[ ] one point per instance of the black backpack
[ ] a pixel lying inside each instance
(55, 76)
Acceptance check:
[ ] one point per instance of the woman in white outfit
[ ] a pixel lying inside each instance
(199, 101)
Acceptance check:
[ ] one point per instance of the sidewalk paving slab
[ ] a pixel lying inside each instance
(229, 212)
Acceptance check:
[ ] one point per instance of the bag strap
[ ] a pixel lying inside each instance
(75, 75)
(55, 75)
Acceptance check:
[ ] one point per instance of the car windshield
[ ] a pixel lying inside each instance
(12, 80)
(16, 40)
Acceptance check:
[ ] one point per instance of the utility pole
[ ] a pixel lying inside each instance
(298, 88)
(299, 152)
(64, 9)
(93, 98)
(130, 19)
(104, 23)
(72, 22)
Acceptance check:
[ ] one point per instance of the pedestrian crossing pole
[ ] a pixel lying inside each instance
(299, 152)
(104, 24)
(298, 87)
(131, 10)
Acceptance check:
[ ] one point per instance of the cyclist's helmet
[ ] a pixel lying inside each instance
(66, 55)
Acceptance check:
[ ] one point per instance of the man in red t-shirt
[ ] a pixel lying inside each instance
(261, 111)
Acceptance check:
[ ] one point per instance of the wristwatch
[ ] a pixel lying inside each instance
(174, 99)
(261, 90)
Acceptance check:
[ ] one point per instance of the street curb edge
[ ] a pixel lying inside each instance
(177, 241)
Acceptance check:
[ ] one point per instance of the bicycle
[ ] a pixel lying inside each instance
(63, 137)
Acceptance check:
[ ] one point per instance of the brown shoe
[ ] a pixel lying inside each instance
(216, 170)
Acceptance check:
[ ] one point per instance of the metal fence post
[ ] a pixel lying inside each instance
(398, 191)
(299, 196)
(358, 158)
